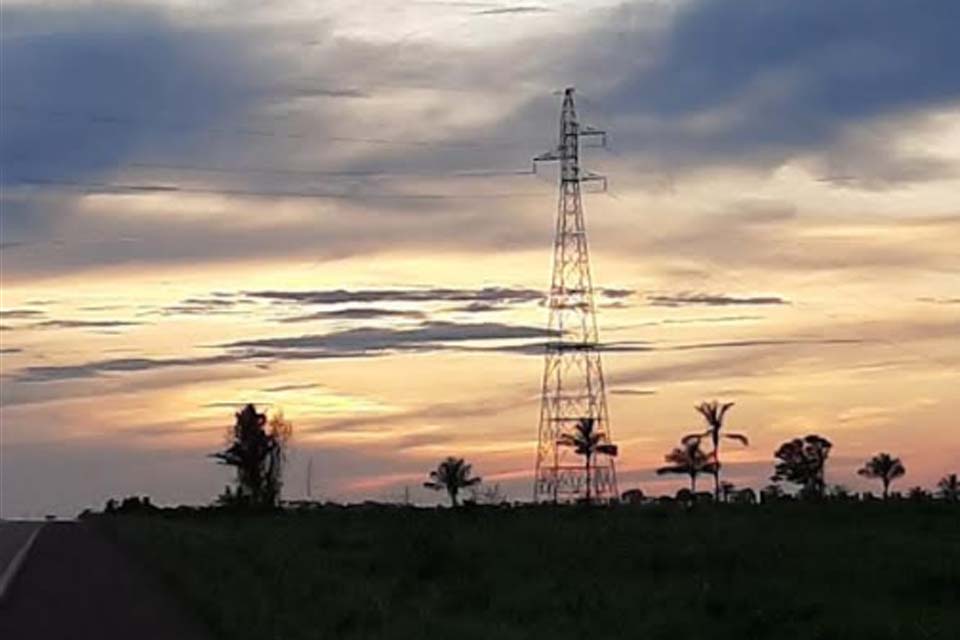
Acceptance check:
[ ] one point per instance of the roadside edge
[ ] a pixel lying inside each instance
(10, 573)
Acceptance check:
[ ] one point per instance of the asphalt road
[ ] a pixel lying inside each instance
(13, 535)
(76, 585)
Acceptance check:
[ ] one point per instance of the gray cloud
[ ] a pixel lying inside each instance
(739, 344)
(74, 88)
(83, 324)
(355, 313)
(211, 305)
(705, 84)
(19, 314)
(633, 392)
(99, 368)
(292, 387)
(496, 295)
(350, 343)
(710, 300)
(479, 307)
(513, 10)
(762, 80)
(427, 336)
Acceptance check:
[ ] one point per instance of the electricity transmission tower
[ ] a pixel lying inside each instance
(573, 387)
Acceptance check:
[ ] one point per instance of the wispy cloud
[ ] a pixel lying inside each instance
(99, 368)
(516, 9)
(624, 391)
(292, 387)
(20, 314)
(500, 295)
(369, 340)
(355, 313)
(204, 306)
(741, 344)
(84, 324)
(711, 300)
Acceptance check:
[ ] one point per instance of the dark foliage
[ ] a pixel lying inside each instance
(787, 570)
(588, 441)
(257, 449)
(129, 505)
(452, 474)
(949, 488)
(802, 462)
(885, 468)
(714, 413)
(688, 459)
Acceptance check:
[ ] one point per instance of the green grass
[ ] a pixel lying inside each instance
(780, 571)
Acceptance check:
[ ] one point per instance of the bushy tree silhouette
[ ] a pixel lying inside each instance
(885, 468)
(257, 449)
(949, 488)
(452, 474)
(802, 461)
(713, 413)
(588, 442)
(688, 459)
(771, 493)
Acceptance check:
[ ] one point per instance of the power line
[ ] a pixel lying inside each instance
(144, 189)
(297, 172)
(375, 173)
(109, 119)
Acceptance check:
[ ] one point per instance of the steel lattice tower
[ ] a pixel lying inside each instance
(573, 387)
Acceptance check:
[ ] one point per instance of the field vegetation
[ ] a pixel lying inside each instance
(785, 570)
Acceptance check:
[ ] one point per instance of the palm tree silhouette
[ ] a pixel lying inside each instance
(713, 413)
(588, 442)
(452, 474)
(688, 459)
(949, 488)
(885, 468)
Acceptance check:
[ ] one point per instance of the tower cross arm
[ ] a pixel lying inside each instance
(587, 130)
(589, 176)
(548, 156)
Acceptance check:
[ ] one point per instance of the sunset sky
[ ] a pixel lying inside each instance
(326, 207)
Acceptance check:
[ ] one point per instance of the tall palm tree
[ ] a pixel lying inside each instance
(949, 488)
(884, 468)
(688, 459)
(587, 441)
(713, 413)
(452, 474)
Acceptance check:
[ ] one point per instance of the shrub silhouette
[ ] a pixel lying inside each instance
(885, 468)
(949, 488)
(257, 449)
(452, 474)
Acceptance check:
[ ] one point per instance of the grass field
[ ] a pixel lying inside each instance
(784, 571)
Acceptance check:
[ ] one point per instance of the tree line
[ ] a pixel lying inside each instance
(799, 461)
(256, 448)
